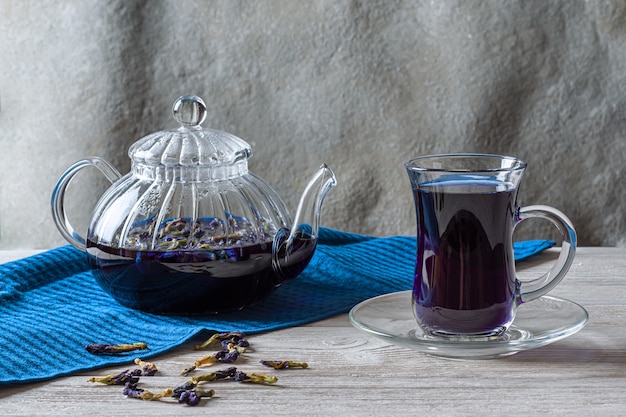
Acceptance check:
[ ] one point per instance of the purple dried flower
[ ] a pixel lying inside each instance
(239, 343)
(205, 360)
(233, 373)
(240, 376)
(131, 390)
(187, 386)
(229, 355)
(187, 371)
(120, 379)
(230, 337)
(214, 376)
(225, 373)
(189, 394)
(192, 397)
(147, 368)
(285, 364)
(189, 398)
(255, 378)
(128, 376)
(114, 348)
(207, 233)
(224, 356)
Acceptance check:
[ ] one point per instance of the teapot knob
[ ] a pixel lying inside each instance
(189, 110)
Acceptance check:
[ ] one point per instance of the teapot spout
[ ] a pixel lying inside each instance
(307, 217)
(293, 249)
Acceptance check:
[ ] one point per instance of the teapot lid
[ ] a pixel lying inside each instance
(191, 149)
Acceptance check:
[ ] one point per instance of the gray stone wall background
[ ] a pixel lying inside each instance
(360, 85)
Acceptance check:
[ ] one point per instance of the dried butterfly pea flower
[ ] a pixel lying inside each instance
(189, 397)
(214, 376)
(150, 396)
(255, 378)
(189, 394)
(242, 343)
(232, 345)
(187, 386)
(122, 378)
(176, 227)
(225, 373)
(131, 390)
(187, 371)
(214, 358)
(285, 364)
(192, 396)
(172, 244)
(231, 372)
(147, 368)
(233, 337)
(114, 348)
(228, 355)
(207, 233)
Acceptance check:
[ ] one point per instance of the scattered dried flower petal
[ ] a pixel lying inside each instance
(120, 379)
(150, 396)
(285, 364)
(233, 373)
(255, 378)
(147, 368)
(232, 344)
(192, 396)
(114, 348)
(214, 376)
(124, 377)
(189, 398)
(231, 354)
(206, 360)
(233, 337)
(187, 386)
(187, 371)
(131, 390)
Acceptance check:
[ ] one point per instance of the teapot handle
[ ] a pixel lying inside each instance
(58, 197)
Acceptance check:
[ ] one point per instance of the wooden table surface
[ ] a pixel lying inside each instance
(354, 374)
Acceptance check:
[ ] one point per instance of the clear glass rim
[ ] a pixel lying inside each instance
(417, 164)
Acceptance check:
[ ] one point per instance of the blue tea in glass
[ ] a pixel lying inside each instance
(466, 256)
(466, 210)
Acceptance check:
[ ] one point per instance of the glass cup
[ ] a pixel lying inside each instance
(466, 207)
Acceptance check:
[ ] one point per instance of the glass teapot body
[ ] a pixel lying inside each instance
(150, 241)
(189, 230)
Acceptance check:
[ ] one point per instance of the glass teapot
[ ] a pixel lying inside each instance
(189, 230)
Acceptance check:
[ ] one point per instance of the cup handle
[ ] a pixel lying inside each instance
(58, 197)
(530, 290)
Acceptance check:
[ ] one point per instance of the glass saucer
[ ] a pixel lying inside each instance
(536, 324)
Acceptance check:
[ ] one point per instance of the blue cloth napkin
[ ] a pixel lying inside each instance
(51, 307)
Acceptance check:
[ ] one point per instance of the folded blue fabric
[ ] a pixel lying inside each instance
(51, 307)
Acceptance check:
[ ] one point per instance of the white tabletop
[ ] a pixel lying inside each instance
(352, 373)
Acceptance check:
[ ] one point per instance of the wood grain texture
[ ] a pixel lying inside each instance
(353, 374)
